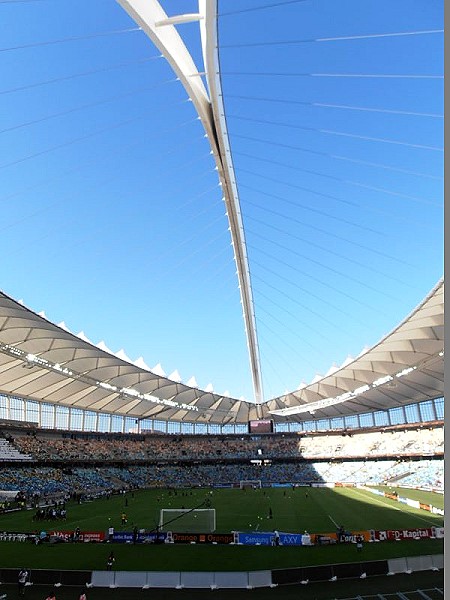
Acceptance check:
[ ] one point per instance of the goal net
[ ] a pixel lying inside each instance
(250, 483)
(197, 520)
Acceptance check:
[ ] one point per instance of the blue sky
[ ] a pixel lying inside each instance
(112, 218)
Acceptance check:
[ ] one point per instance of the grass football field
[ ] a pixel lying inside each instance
(318, 510)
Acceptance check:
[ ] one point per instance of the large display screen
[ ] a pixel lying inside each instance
(261, 426)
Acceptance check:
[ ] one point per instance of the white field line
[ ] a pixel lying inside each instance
(332, 520)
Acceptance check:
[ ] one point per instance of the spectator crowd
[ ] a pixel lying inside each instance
(79, 465)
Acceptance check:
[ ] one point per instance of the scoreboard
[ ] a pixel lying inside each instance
(260, 426)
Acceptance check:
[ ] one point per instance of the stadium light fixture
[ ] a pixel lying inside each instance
(382, 380)
(405, 372)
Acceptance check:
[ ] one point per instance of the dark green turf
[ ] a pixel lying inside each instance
(244, 511)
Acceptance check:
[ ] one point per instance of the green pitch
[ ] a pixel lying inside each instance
(314, 509)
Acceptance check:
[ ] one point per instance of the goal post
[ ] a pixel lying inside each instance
(250, 483)
(188, 520)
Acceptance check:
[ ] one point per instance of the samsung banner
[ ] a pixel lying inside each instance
(268, 539)
(255, 539)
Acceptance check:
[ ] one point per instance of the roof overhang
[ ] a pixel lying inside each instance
(42, 361)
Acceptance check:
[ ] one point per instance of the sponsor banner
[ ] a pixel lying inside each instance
(201, 538)
(255, 539)
(291, 539)
(403, 534)
(122, 537)
(281, 485)
(437, 511)
(92, 536)
(413, 503)
(439, 532)
(18, 535)
(126, 537)
(346, 537)
(391, 496)
(85, 536)
(267, 538)
(349, 537)
(152, 537)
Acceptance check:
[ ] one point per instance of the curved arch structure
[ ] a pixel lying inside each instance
(160, 28)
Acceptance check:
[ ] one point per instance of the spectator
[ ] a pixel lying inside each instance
(110, 561)
(110, 533)
(22, 580)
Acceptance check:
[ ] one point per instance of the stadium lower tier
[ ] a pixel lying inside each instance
(65, 482)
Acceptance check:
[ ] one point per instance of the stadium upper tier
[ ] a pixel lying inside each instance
(58, 483)
(55, 463)
(45, 362)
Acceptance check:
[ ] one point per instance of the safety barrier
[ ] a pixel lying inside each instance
(180, 580)
(232, 579)
(415, 563)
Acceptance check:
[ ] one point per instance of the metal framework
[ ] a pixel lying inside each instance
(160, 28)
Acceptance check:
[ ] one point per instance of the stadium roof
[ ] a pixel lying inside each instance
(42, 361)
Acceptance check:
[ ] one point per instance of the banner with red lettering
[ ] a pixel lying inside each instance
(403, 534)
(84, 536)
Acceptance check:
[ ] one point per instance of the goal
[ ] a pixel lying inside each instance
(188, 520)
(250, 483)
